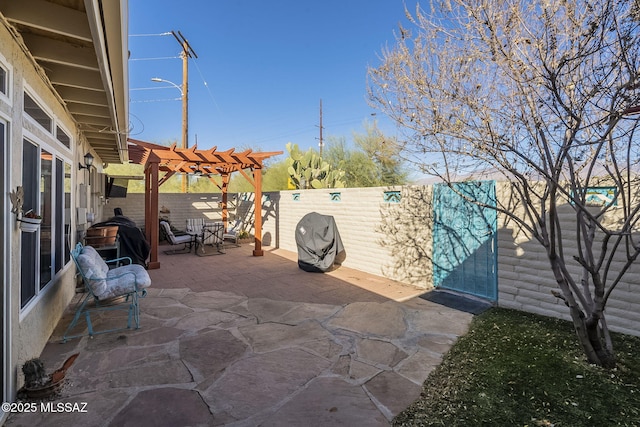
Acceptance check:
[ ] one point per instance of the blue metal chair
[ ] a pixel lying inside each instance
(107, 289)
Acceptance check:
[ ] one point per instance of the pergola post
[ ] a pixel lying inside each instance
(225, 200)
(151, 221)
(257, 179)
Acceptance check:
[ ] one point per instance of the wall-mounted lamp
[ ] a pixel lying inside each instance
(88, 161)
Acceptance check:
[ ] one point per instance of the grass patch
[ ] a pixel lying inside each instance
(520, 369)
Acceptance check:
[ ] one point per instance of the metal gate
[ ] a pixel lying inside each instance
(464, 238)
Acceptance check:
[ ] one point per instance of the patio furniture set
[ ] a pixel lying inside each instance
(200, 235)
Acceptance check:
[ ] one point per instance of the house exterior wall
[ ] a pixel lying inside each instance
(28, 329)
(393, 240)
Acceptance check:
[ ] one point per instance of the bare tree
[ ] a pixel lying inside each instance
(540, 92)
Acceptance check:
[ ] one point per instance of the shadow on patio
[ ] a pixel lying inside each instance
(241, 340)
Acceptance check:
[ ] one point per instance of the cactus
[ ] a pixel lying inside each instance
(308, 170)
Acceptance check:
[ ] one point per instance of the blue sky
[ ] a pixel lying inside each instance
(262, 68)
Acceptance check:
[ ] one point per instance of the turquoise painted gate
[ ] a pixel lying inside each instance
(464, 238)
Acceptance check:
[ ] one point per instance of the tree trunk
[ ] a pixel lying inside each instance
(596, 332)
(586, 328)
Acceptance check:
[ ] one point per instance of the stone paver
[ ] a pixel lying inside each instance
(382, 320)
(182, 408)
(328, 402)
(243, 341)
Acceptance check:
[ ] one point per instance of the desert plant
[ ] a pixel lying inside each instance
(309, 170)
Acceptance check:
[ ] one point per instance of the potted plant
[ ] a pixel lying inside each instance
(30, 221)
(244, 237)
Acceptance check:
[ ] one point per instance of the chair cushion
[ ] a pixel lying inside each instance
(94, 269)
(125, 279)
(185, 238)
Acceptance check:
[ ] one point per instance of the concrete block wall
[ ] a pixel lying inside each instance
(374, 232)
(525, 280)
(393, 240)
(180, 207)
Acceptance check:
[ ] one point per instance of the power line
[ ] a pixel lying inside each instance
(154, 59)
(156, 100)
(206, 85)
(152, 88)
(150, 35)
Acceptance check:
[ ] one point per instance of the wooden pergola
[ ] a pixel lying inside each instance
(159, 159)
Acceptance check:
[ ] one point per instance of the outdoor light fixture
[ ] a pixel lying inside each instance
(197, 172)
(88, 161)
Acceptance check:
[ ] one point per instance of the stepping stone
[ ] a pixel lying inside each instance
(372, 318)
(165, 407)
(328, 402)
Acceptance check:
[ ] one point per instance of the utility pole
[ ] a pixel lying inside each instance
(187, 52)
(321, 143)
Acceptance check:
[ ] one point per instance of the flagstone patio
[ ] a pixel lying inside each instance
(244, 341)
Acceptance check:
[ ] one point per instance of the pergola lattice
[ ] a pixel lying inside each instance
(210, 163)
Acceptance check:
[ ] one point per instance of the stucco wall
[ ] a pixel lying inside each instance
(29, 328)
(394, 240)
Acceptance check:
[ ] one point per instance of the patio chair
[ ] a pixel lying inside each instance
(232, 233)
(186, 240)
(107, 289)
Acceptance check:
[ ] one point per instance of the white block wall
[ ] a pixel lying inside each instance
(180, 207)
(373, 231)
(393, 240)
(525, 280)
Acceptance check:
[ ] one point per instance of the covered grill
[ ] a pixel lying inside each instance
(319, 243)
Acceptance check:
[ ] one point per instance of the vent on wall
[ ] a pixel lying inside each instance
(392, 196)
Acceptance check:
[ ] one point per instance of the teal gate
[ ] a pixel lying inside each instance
(464, 238)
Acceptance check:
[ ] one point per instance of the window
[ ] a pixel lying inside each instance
(67, 213)
(46, 180)
(3, 80)
(29, 246)
(46, 205)
(63, 137)
(32, 108)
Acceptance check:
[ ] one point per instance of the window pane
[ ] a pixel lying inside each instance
(58, 254)
(67, 213)
(37, 113)
(63, 137)
(3, 80)
(29, 242)
(46, 210)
